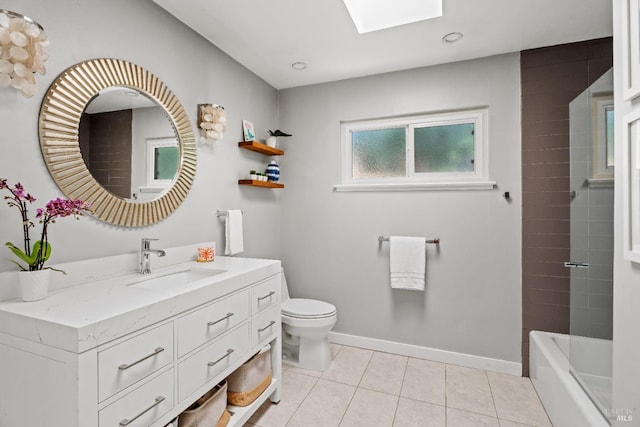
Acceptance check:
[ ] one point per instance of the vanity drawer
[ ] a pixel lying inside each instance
(203, 325)
(265, 294)
(209, 362)
(130, 361)
(142, 406)
(264, 326)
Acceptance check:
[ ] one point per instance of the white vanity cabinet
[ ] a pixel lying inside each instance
(146, 368)
(127, 362)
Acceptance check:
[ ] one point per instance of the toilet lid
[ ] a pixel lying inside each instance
(307, 308)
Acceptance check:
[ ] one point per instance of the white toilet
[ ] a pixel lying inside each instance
(305, 327)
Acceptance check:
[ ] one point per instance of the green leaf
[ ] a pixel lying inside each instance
(20, 253)
(46, 252)
(31, 260)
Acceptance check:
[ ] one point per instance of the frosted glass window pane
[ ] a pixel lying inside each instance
(448, 148)
(609, 114)
(379, 153)
(166, 162)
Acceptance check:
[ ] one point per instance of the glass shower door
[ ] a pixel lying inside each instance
(591, 255)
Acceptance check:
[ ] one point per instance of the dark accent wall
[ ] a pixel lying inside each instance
(551, 78)
(105, 143)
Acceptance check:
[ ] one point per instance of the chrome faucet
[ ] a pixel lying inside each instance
(145, 250)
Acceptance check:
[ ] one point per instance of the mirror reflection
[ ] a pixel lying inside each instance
(129, 144)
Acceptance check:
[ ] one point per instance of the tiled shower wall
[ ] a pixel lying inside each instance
(108, 152)
(551, 78)
(591, 219)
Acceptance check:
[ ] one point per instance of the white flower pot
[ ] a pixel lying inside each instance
(34, 285)
(272, 141)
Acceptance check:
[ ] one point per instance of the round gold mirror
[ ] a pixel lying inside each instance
(171, 151)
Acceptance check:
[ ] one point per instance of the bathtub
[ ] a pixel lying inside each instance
(565, 401)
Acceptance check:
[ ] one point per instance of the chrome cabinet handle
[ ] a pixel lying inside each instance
(272, 293)
(268, 326)
(126, 366)
(229, 351)
(576, 265)
(220, 320)
(128, 421)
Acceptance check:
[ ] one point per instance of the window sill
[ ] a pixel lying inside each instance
(418, 186)
(150, 189)
(600, 182)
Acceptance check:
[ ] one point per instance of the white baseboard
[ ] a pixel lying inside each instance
(444, 356)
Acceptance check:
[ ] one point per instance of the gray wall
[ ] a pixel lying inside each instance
(197, 72)
(329, 240)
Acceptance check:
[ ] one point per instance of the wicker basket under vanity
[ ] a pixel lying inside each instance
(247, 382)
(208, 411)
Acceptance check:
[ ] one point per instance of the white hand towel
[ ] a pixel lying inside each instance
(233, 231)
(407, 262)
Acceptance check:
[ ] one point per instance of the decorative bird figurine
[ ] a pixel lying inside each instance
(278, 132)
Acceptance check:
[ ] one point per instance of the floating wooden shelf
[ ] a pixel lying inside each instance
(260, 148)
(255, 183)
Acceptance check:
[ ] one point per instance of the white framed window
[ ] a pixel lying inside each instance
(603, 140)
(428, 151)
(163, 157)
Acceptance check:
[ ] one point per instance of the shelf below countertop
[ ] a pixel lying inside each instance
(255, 183)
(240, 415)
(260, 148)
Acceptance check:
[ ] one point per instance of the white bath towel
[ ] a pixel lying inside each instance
(407, 262)
(233, 231)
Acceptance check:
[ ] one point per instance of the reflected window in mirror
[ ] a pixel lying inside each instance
(163, 158)
(164, 161)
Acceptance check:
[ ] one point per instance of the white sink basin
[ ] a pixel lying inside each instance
(176, 279)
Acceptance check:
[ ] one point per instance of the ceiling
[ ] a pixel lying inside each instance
(268, 36)
(118, 98)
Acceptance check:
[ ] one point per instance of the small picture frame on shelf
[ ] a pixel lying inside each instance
(247, 131)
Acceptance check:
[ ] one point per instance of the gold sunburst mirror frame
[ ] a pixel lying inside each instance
(60, 115)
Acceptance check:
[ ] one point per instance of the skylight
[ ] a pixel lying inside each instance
(373, 15)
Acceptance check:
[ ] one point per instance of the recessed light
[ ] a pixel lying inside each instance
(373, 15)
(299, 66)
(452, 37)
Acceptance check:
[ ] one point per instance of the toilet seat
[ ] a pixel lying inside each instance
(303, 308)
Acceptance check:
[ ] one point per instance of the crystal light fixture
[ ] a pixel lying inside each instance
(212, 122)
(22, 43)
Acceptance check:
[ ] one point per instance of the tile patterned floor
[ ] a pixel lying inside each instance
(365, 388)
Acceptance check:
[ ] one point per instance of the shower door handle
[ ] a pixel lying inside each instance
(576, 264)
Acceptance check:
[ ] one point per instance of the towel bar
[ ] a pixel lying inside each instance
(435, 241)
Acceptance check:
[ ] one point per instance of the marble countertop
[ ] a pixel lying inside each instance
(82, 317)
